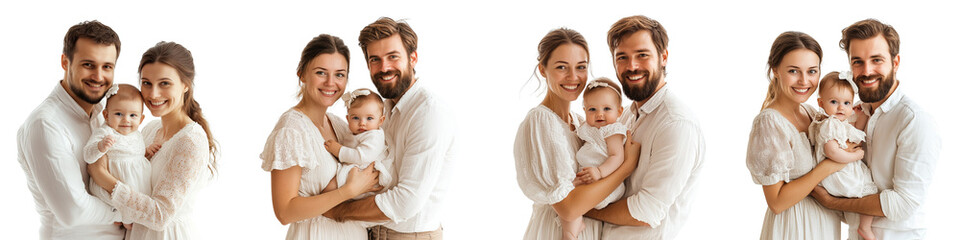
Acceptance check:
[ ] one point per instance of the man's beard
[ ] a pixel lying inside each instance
(77, 91)
(883, 87)
(640, 93)
(403, 82)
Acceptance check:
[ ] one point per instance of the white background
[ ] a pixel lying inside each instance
(478, 56)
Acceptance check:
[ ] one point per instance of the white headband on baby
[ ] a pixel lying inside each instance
(348, 97)
(110, 92)
(848, 76)
(596, 84)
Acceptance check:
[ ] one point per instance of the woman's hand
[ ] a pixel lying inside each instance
(361, 181)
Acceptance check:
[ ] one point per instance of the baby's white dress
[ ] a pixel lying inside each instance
(361, 150)
(854, 180)
(295, 141)
(777, 152)
(127, 161)
(544, 151)
(594, 152)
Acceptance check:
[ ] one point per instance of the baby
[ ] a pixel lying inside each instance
(364, 116)
(831, 135)
(120, 139)
(602, 152)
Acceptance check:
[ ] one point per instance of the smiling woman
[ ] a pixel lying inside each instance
(182, 154)
(302, 171)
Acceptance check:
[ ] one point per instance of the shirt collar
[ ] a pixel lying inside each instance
(400, 105)
(893, 100)
(653, 103)
(61, 95)
(887, 105)
(73, 108)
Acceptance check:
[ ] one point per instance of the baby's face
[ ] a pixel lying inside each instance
(602, 107)
(124, 115)
(836, 101)
(366, 116)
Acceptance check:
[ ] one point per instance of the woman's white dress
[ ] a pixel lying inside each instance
(296, 141)
(854, 180)
(594, 152)
(778, 152)
(545, 150)
(127, 162)
(180, 169)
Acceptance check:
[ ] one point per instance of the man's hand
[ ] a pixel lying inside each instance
(106, 143)
(822, 196)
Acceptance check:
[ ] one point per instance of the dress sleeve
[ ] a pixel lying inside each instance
(613, 129)
(545, 167)
(287, 147)
(370, 146)
(769, 152)
(91, 153)
(180, 178)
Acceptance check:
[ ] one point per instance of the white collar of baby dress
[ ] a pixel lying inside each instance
(848, 76)
(350, 96)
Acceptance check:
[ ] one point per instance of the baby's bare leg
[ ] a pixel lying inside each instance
(866, 227)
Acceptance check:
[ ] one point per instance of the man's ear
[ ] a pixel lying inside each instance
(896, 63)
(64, 61)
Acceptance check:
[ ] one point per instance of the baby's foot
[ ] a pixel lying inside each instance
(866, 234)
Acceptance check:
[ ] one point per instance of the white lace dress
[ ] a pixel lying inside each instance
(365, 148)
(778, 152)
(594, 152)
(127, 162)
(854, 180)
(295, 141)
(180, 169)
(544, 151)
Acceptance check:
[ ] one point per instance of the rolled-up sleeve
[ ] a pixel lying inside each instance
(916, 157)
(419, 170)
(675, 155)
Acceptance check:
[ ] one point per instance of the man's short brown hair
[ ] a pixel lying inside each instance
(869, 28)
(629, 25)
(93, 30)
(384, 28)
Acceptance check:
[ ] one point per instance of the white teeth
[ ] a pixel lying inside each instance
(569, 87)
(634, 78)
(328, 92)
(869, 81)
(388, 78)
(158, 103)
(801, 90)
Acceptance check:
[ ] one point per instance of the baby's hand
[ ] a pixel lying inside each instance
(588, 175)
(332, 146)
(106, 143)
(152, 149)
